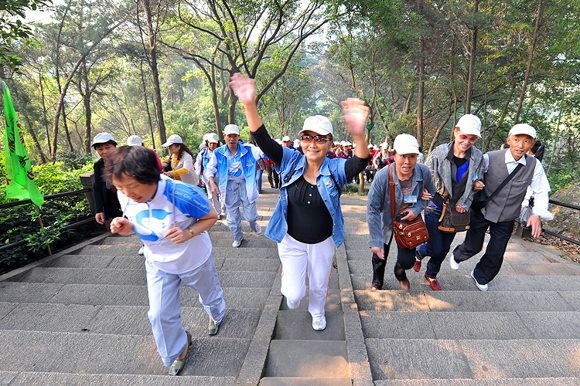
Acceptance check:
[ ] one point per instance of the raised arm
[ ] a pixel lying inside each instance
(245, 90)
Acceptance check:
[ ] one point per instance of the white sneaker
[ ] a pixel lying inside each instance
(292, 305)
(319, 324)
(454, 264)
(236, 244)
(141, 251)
(481, 287)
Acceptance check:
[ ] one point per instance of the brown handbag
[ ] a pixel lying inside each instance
(408, 234)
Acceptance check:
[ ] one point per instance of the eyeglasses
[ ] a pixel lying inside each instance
(317, 138)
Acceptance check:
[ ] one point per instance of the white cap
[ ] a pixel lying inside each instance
(296, 143)
(173, 138)
(523, 128)
(286, 138)
(278, 141)
(231, 129)
(469, 124)
(406, 144)
(103, 138)
(347, 143)
(212, 138)
(370, 146)
(318, 124)
(134, 140)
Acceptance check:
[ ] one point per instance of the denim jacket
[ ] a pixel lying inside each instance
(379, 201)
(218, 166)
(293, 167)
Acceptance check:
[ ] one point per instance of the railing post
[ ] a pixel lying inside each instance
(88, 181)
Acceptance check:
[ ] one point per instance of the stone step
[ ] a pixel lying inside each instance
(472, 325)
(297, 325)
(473, 359)
(481, 382)
(114, 354)
(126, 295)
(307, 358)
(240, 279)
(53, 378)
(120, 320)
(453, 282)
(467, 301)
(295, 381)
(225, 249)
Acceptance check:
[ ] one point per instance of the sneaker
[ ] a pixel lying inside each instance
(257, 229)
(319, 324)
(417, 265)
(141, 251)
(292, 305)
(433, 283)
(213, 327)
(454, 264)
(375, 287)
(236, 244)
(481, 287)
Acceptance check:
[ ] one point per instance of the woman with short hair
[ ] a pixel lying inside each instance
(171, 219)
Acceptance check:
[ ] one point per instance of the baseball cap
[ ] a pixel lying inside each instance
(173, 138)
(134, 140)
(347, 143)
(103, 138)
(212, 138)
(286, 138)
(296, 143)
(318, 124)
(231, 129)
(406, 144)
(523, 128)
(469, 124)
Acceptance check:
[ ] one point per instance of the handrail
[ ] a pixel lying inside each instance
(47, 198)
(571, 206)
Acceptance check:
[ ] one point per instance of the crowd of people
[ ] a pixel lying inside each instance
(172, 205)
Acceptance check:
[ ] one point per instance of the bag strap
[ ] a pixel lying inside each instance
(392, 191)
(507, 179)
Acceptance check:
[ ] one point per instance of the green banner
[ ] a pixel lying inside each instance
(19, 182)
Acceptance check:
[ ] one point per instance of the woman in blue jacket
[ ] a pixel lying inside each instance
(307, 223)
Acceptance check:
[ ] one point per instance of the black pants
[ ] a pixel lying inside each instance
(490, 263)
(405, 260)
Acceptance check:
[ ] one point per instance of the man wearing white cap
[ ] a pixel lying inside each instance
(134, 140)
(231, 172)
(504, 206)
(201, 161)
(106, 202)
(286, 141)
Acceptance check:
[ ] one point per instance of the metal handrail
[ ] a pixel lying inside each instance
(46, 198)
(571, 206)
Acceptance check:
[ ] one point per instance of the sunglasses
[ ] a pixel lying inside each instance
(317, 138)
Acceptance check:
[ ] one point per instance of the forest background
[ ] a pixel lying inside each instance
(161, 67)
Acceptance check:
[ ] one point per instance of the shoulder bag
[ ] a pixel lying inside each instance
(408, 234)
(451, 221)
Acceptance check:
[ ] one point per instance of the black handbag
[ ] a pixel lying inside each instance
(451, 221)
(481, 198)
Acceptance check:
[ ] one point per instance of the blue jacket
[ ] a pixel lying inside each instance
(293, 167)
(218, 166)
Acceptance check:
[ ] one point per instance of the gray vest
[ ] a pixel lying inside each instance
(506, 204)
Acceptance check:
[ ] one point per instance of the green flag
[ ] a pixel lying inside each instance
(19, 183)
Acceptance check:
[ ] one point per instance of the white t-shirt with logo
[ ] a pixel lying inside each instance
(152, 219)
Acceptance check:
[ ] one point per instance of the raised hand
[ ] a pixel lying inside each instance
(244, 88)
(355, 115)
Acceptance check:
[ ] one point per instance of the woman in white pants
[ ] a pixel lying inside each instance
(307, 223)
(171, 218)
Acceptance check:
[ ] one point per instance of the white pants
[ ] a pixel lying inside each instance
(165, 306)
(298, 258)
(237, 196)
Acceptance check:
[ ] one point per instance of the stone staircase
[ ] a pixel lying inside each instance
(80, 317)
(524, 331)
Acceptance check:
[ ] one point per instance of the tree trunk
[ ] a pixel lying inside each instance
(149, 120)
(469, 89)
(87, 105)
(489, 136)
(535, 37)
(44, 114)
(57, 75)
(152, 48)
(421, 95)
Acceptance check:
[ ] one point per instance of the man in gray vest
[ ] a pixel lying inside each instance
(504, 207)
